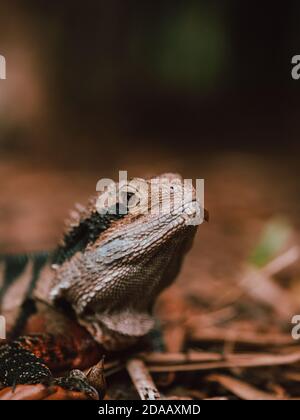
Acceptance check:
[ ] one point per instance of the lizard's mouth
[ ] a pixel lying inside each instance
(194, 213)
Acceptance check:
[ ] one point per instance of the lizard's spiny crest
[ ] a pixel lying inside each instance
(83, 233)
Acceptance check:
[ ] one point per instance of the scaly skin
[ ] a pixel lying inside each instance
(109, 269)
(113, 284)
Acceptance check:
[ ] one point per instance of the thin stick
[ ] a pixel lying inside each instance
(240, 336)
(233, 361)
(291, 256)
(253, 280)
(142, 380)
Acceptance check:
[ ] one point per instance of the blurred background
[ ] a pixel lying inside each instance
(200, 87)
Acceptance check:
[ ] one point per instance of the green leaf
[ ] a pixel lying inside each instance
(274, 237)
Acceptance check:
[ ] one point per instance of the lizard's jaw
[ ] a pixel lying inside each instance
(128, 257)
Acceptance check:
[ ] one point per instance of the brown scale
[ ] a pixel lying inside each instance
(62, 344)
(45, 348)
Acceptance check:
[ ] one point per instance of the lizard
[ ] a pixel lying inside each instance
(95, 293)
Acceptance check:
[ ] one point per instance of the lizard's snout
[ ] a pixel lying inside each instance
(193, 213)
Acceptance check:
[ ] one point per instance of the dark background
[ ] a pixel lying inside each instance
(181, 74)
(200, 87)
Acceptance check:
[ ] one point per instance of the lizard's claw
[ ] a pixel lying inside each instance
(75, 386)
(72, 387)
(25, 376)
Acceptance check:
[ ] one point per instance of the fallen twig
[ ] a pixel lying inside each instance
(232, 361)
(142, 380)
(239, 336)
(241, 389)
(189, 357)
(259, 285)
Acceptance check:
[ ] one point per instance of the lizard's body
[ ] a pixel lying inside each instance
(101, 283)
(19, 276)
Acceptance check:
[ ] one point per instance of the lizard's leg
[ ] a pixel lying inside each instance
(62, 345)
(20, 367)
(60, 341)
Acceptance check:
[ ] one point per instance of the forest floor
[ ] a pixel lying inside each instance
(227, 321)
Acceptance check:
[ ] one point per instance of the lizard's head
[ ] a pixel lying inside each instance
(111, 265)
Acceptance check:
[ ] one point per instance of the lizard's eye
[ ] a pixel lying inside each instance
(129, 200)
(133, 196)
(132, 200)
(129, 195)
